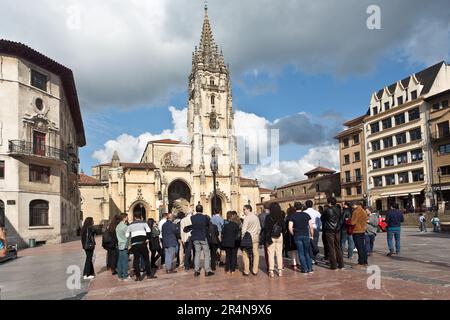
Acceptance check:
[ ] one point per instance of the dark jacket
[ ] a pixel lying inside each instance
(88, 234)
(200, 224)
(394, 218)
(213, 234)
(230, 235)
(247, 242)
(269, 222)
(331, 219)
(288, 240)
(169, 234)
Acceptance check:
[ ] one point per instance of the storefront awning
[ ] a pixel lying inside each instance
(400, 194)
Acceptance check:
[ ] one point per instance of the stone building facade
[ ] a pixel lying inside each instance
(41, 130)
(172, 170)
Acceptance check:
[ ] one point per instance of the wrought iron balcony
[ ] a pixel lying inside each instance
(440, 135)
(352, 179)
(22, 147)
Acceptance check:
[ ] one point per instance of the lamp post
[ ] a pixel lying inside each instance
(214, 167)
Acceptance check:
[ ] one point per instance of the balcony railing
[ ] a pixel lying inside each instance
(351, 180)
(28, 148)
(438, 135)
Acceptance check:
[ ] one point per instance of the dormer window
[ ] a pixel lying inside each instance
(414, 95)
(374, 110)
(400, 100)
(386, 106)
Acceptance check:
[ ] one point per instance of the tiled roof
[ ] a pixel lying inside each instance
(85, 180)
(319, 170)
(245, 182)
(169, 141)
(264, 190)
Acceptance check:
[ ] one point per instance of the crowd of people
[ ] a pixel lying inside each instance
(178, 241)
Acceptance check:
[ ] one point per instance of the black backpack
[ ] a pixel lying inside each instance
(107, 241)
(277, 230)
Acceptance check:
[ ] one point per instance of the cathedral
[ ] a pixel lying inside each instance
(172, 172)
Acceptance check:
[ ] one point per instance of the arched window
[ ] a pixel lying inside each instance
(38, 213)
(212, 100)
(211, 81)
(2, 214)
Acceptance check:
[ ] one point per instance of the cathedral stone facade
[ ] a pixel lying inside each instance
(171, 171)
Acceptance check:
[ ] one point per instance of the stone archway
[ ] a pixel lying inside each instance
(178, 189)
(139, 207)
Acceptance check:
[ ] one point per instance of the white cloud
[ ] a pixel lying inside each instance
(271, 176)
(130, 148)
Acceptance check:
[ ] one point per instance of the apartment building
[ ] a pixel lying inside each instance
(352, 161)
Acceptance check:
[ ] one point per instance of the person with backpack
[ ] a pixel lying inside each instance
(110, 244)
(436, 223)
(154, 243)
(230, 242)
(273, 239)
(347, 230)
(88, 244)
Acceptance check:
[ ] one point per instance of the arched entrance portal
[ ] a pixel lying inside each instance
(178, 190)
(218, 204)
(140, 208)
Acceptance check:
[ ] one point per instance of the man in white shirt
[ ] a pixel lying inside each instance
(316, 224)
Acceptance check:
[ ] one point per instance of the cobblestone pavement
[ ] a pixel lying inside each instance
(421, 272)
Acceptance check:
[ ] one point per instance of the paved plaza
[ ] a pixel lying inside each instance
(421, 272)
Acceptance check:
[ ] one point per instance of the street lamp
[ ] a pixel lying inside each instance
(214, 167)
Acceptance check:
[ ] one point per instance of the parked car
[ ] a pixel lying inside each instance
(382, 225)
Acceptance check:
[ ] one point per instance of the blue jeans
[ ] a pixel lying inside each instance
(303, 244)
(122, 264)
(393, 232)
(370, 240)
(169, 255)
(351, 244)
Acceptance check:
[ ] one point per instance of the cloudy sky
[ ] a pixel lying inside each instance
(299, 66)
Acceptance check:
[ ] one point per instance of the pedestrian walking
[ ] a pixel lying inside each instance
(394, 219)
(422, 223)
(436, 223)
(88, 243)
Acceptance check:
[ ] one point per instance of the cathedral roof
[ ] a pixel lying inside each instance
(245, 182)
(85, 180)
(169, 141)
(265, 190)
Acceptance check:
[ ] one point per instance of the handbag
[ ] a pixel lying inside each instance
(90, 241)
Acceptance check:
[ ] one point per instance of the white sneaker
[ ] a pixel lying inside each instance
(355, 250)
(91, 277)
(85, 278)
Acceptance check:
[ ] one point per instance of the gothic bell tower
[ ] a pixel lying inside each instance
(210, 115)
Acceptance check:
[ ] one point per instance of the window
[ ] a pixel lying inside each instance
(304, 190)
(400, 138)
(415, 134)
(376, 163)
(38, 213)
(416, 155)
(389, 161)
(378, 181)
(376, 145)
(375, 127)
(417, 175)
(386, 106)
(347, 176)
(390, 179)
(435, 106)
(2, 169)
(374, 111)
(387, 123)
(399, 100)
(211, 81)
(358, 190)
(399, 119)
(443, 149)
(414, 114)
(348, 191)
(346, 159)
(388, 142)
(317, 188)
(414, 95)
(357, 156)
(402, 158)
(345, 142)
(444, 130)
(403, 177)
(212, 100)
(445, 171)
(358, 174)
(39, 104)
(356, 139)
(39, 174)
(292, 192)
(445, 104)
(38, 80)
(39, 143)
